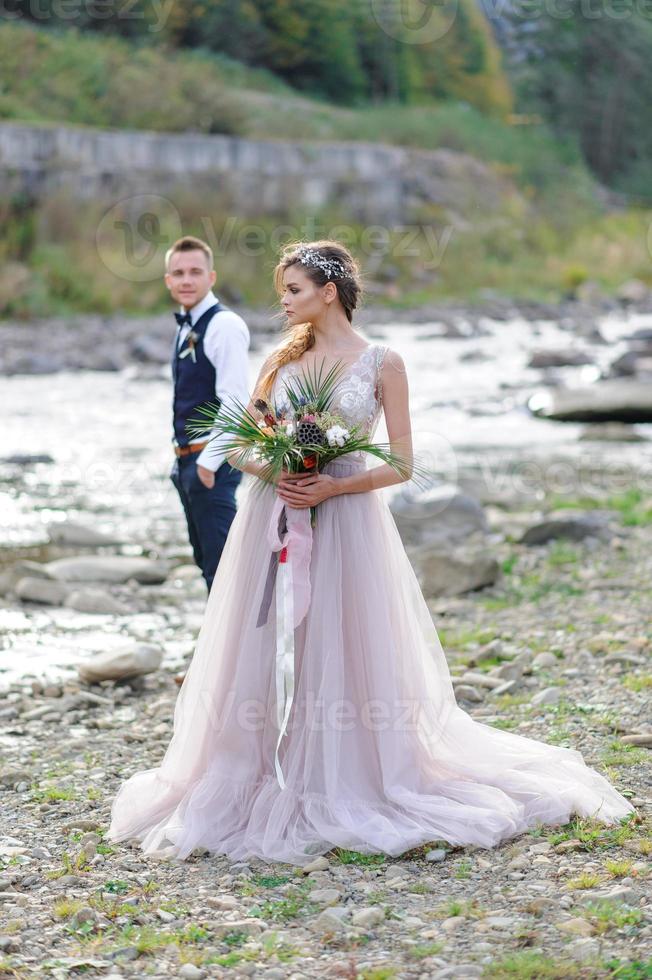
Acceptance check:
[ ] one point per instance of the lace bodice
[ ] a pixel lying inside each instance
(358, 394)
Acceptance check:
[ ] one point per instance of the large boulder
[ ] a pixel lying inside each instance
(121, 664)
(79, 535)
(442, 515)
(109, 568)
(636, 361)
(613, 400)
(571, 525)
(12, 574)
(442, 574)
(96, 601)
(559, 358)
(41, 590)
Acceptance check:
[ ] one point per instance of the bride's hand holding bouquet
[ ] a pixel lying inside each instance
(306, 489)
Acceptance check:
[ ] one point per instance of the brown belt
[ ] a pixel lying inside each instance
(186, 450)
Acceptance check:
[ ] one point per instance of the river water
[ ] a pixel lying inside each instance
(108, 437)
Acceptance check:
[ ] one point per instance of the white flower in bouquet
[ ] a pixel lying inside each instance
(337, 435)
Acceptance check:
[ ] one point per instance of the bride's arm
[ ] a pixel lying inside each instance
(397, 416)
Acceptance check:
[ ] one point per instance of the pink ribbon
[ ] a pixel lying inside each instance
(289, 535)
(298, 541)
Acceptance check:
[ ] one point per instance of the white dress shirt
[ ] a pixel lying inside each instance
(226, 343)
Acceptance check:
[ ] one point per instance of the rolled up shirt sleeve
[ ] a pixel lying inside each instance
(226, 345)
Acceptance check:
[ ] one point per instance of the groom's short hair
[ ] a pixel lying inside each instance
(189, 244)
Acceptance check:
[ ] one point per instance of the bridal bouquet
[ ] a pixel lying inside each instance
(301, 439)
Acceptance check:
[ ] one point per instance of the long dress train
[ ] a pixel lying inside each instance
(377, 755)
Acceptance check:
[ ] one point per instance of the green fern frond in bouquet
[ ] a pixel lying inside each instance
(309, 391)
(302, 440)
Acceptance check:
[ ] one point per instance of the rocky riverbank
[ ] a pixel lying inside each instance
(111, 343)
(554, 643)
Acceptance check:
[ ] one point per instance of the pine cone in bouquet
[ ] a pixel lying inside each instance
(309, 434)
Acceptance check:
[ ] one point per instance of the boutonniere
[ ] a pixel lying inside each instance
(191, 341)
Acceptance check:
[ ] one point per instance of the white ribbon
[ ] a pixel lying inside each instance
(284, 653)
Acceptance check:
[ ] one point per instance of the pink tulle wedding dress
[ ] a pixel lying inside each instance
(375, 755)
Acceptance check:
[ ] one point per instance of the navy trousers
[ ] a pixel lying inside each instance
(209, 513)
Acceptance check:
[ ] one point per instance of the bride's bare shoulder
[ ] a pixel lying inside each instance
(393, 365)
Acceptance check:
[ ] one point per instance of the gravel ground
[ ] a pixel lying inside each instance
(567, 618)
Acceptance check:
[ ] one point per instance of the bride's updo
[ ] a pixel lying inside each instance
(322, 261)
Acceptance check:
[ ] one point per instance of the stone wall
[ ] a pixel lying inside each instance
(368, 182)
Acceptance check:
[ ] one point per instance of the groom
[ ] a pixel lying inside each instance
(209, 364)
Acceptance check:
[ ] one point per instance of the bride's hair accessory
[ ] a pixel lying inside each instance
(330, 267)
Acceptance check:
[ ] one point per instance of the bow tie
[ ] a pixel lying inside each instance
(183, 318)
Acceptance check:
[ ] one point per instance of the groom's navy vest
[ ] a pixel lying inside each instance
(194, 381)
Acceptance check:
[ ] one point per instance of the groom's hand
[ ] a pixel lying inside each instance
(207, 477)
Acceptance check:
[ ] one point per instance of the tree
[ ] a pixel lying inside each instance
(591, 78)
(347, 51)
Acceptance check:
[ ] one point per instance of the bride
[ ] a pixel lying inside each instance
(355, 740)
